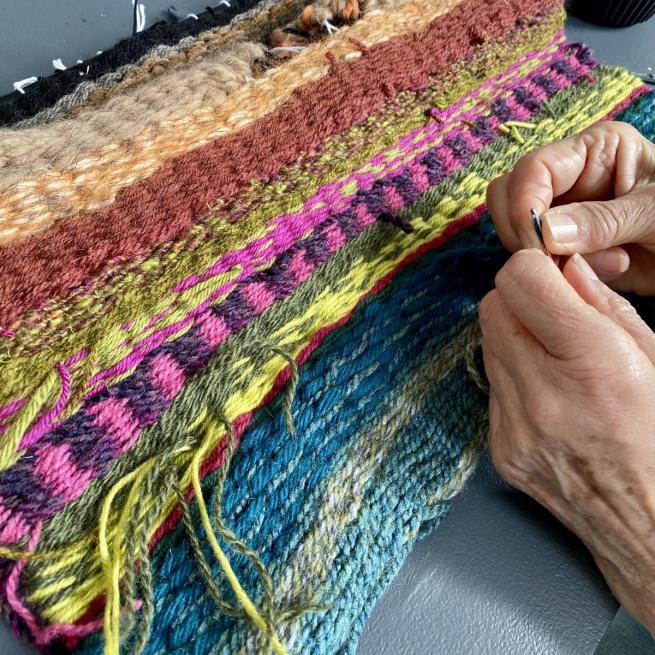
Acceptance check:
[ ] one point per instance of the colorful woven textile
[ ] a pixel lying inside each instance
(239, 351)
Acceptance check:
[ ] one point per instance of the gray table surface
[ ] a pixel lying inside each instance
(500, 575)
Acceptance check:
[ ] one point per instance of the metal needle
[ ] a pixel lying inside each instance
(536, 221)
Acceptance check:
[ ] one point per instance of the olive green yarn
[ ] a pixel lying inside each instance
(80, 515)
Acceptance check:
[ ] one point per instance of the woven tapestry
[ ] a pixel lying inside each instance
(242, 255)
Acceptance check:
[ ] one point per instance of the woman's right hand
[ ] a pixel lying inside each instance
(595, 193)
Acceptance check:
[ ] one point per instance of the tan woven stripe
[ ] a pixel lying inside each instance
(256, 28)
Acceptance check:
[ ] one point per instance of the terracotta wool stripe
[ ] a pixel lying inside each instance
(191, 351)
(70, 520)
(37, 370)
(160, 207)
(341, 221)
(258, 28)
(78, 166)
(75, 513)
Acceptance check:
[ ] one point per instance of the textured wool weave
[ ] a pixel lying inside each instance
(239, 355)
(259, 22)
(111, 65)
(72, 161)
(254, 23)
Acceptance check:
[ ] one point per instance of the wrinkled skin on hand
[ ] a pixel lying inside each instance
(571, 365)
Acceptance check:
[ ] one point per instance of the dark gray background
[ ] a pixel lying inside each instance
(500, 576)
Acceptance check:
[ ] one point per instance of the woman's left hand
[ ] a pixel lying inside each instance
(572, 412)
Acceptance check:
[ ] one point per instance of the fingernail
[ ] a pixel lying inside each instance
(563, 228)
(579, 261)
(609, 262)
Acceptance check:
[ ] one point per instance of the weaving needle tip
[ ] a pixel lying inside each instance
(536, 221)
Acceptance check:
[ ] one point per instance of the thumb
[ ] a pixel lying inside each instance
(587, 227)
(609, 303)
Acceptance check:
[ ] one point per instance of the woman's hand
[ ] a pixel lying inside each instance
(572, 411)
(602, 185)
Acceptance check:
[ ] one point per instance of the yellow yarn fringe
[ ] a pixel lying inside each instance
(111, 561)
(110, 557)
(239, 592)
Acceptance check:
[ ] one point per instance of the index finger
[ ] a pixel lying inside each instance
(538, 178)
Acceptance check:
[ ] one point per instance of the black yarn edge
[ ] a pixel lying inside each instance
(44, 93)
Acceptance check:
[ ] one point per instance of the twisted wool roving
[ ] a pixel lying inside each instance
(239, 366)
(70, 157)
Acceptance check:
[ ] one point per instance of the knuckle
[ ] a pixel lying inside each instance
(605, 222)
(503, 463)
(641, 209)
(624, 129)
(594, 380)
(612, 129)
(610, 385)
(514, 449)
(498, 457)
(544, 419)
(514, 269)
(527, 161)
(624, 375)
(622, 309)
